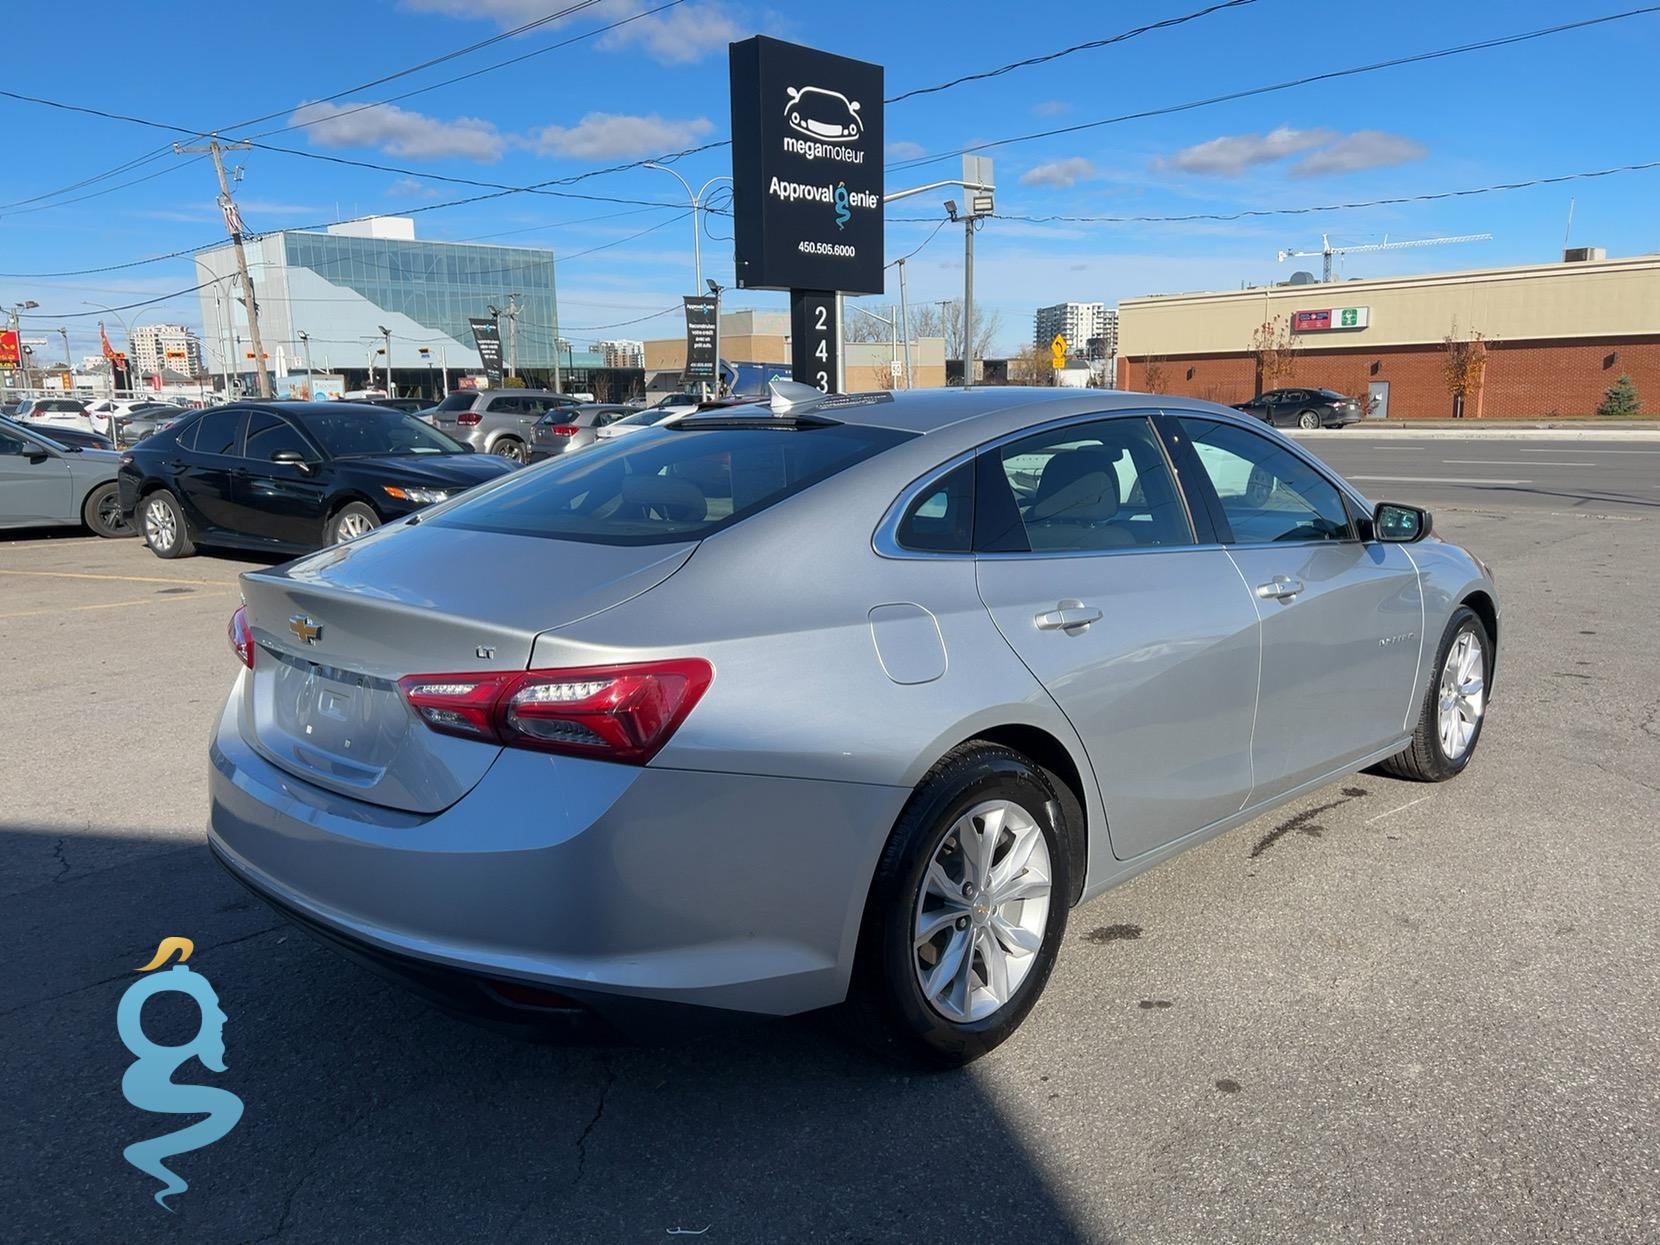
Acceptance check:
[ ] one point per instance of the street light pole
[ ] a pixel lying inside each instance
(387, 334)
(305, 345)
(905, 319)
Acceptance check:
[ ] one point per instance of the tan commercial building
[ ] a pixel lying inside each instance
(764, 337)
(1557, 337)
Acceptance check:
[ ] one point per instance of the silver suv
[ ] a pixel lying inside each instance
(497, 421)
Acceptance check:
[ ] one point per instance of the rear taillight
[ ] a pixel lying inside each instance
(616, 713)
(468, 418)
(564, 430)
(242, 637)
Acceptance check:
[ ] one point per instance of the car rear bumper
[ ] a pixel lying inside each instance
(592, 879)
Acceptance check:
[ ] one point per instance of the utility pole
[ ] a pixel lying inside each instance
(305, 345)
(905, 323)
(233, 226)
(387, 334)
(444, 364)
(968, 302)
(68, 363)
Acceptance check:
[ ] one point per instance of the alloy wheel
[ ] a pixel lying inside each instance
(161, 528)
(109, 513)
(353, 525)
(1463, 695)
(981, 911)
(512, 451)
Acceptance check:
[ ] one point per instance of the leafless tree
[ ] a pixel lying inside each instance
(945, 319)
(863, 328)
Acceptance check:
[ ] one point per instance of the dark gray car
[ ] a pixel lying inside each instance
(561, 431)
(44, 483)
(497, 421)
(1303, 408)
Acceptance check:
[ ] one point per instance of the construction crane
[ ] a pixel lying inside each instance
(1327, 250)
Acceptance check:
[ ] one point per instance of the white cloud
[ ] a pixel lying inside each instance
(1051, 107)
(1060, 174)
(1364, 149)
(904, 150)
(412, 188)
(1232, 154)
(399, 132)
(682, 35)
(604, 135)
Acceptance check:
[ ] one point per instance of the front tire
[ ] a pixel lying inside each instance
(966, 911)
(102, 512)
(352, 521)
(1454, 705)
(1308, 421)
(165, 531)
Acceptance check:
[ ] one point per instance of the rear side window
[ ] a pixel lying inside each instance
(941, 518)
(217, 432)
(671, 485)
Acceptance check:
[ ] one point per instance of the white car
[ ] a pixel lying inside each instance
(60, 413)
(124, 409)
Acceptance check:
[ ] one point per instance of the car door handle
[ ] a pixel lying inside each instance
(1067, 616)
(1280, 588)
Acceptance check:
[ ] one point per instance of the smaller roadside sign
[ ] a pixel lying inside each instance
(1057, 349)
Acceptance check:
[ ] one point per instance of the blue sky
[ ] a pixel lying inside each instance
(1577, 101)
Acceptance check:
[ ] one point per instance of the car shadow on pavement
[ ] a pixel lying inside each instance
(371, 1116)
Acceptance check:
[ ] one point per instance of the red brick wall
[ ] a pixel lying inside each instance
(1524, 380)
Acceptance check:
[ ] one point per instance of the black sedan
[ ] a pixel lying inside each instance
(1303, 408)
(289, 477)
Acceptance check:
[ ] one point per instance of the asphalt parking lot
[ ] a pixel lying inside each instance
(1389, 1012)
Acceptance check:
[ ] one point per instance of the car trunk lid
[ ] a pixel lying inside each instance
(336, 630)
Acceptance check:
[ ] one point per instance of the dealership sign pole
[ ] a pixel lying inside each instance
(807, 185)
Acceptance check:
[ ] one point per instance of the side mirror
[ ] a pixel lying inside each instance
(1399, 524)
(293, 458)
(36, 455)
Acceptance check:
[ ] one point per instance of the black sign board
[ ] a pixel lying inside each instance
(702, 339)
(815, 345)
(487, 334)
(806, 169)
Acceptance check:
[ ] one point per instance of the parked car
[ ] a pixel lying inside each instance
(45, 482)
(56, 413)
(149, 422)
(497, 421)
(837, 701)
(409, 406)
(1303, 408)
(290, 476)
(665, 412)
(75, 438)
(561, 431)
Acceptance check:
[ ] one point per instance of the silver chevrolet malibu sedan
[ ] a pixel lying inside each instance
(832, 701)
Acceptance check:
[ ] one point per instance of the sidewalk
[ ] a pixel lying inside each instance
(1501, 429)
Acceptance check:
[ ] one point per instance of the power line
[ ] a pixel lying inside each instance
(938, 225)
(1416, 58)
(1090, 46)
(1394, 201)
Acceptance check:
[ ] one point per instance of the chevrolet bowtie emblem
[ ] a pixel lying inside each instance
(305, 630)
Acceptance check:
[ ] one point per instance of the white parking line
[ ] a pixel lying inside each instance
(1511, 462)
(1535, 450)
(1401, 808)
(1438, 480)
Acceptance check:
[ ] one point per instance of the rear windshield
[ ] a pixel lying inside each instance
(457, 402)
(355, 431)
(669, 485)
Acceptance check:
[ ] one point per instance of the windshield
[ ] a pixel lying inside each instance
(669, 485)
(358, 431)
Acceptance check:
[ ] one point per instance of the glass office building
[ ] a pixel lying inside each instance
(341, 287)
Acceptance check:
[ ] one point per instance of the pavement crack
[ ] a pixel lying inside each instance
(63, 861)
(599, 1114)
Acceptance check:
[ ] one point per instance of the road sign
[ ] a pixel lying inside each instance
(1057, 348)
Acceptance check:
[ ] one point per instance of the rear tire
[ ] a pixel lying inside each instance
(102, 512)
(902, 1002)
(1308, 421)
(512, 449)
(1454, 706)
(165, 531)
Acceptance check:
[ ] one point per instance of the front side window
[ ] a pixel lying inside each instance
(217, 432)
(1268, 494)
(1078, 489)
(270, 435)
(677, 484)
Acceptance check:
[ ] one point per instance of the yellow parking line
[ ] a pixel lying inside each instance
(114, 605)
(126, 579)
